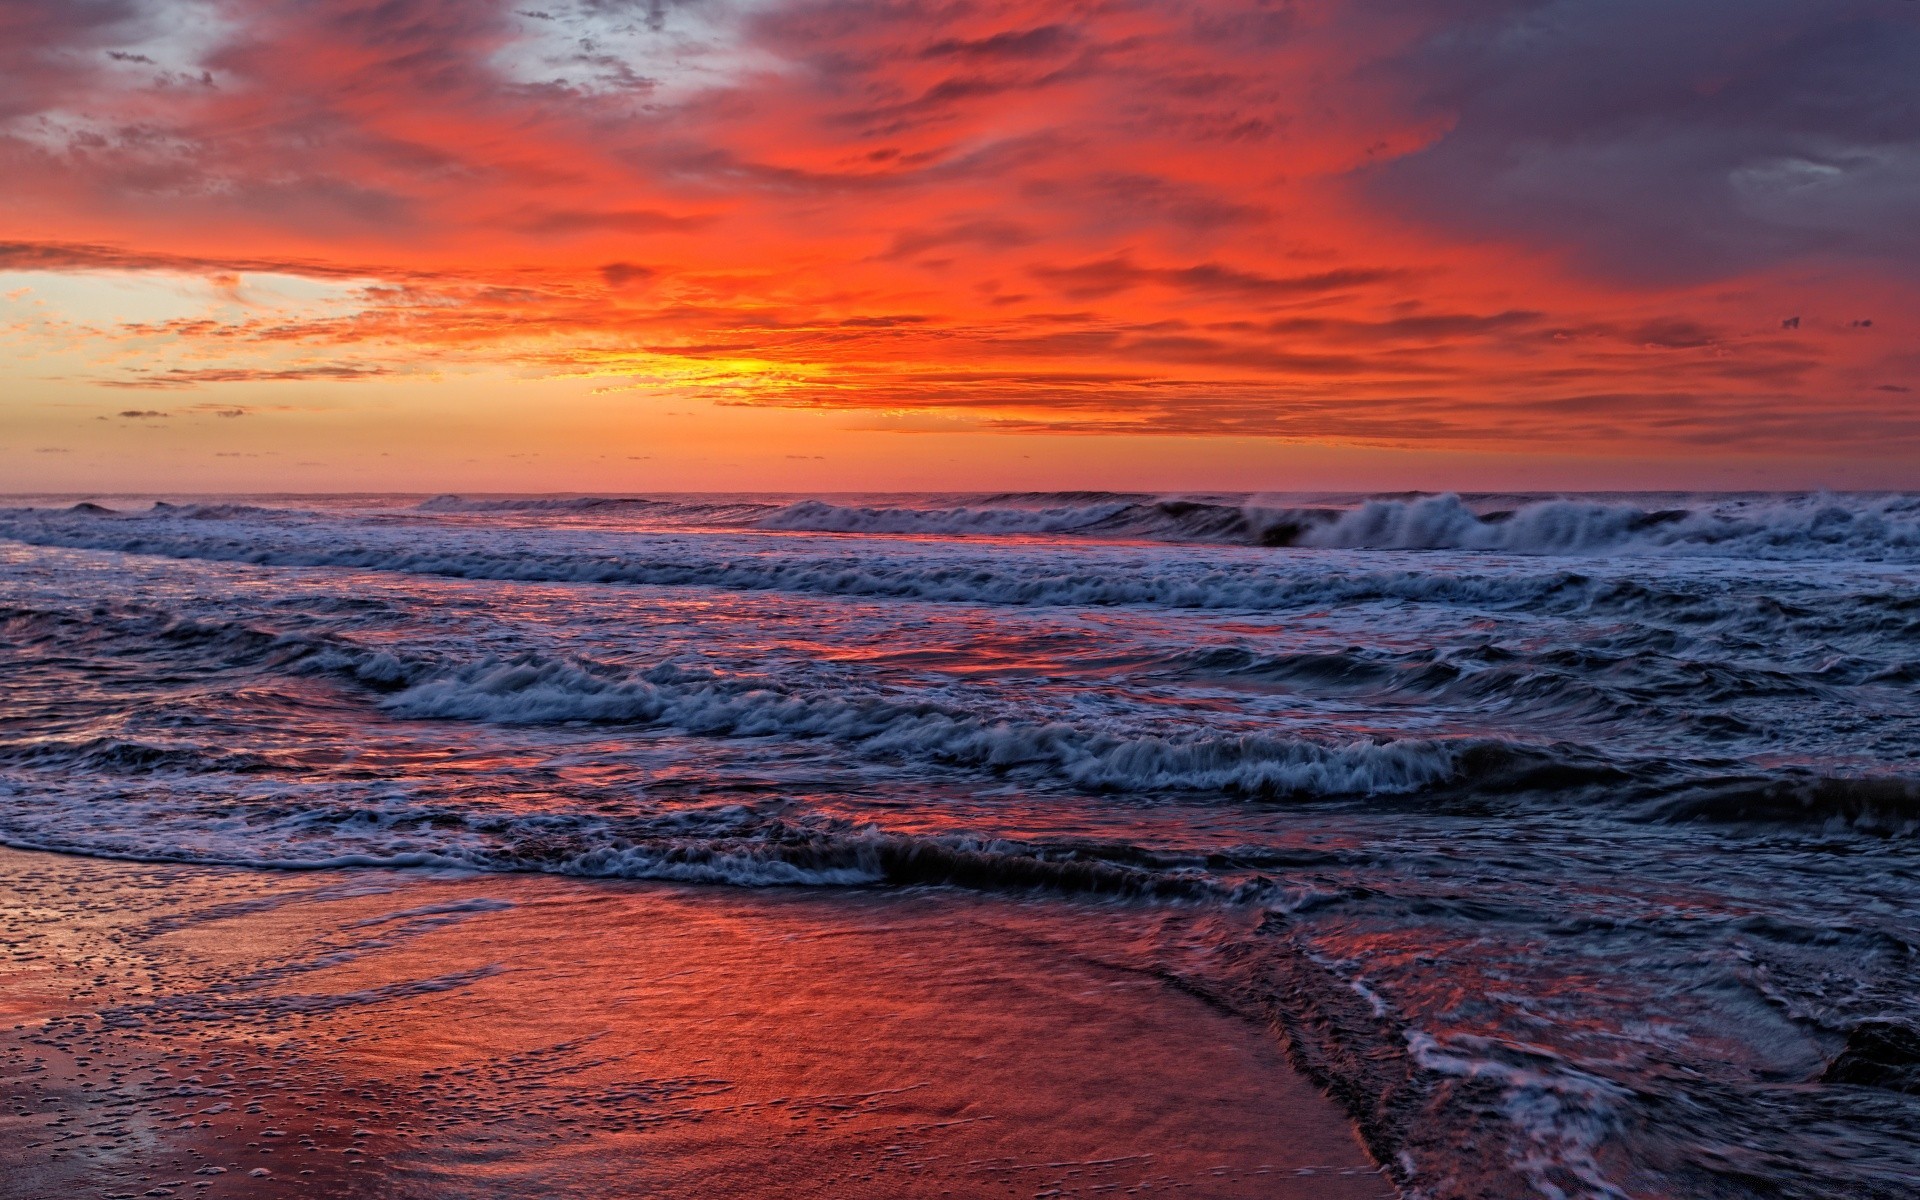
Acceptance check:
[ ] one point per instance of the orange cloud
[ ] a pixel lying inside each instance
(1364, 222)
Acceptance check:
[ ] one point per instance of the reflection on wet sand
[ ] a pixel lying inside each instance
(181, 1031)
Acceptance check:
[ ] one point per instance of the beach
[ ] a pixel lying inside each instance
(184, 1030)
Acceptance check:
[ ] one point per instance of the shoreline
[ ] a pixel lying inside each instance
(172, 1030)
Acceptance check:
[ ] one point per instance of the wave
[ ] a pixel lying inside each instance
(1781, 526)
(130, 757)
(539, 504)
(215, 512)
(534, 690)
(734, 845)
(1067, 497)
(822, 517)
(980, 578)
(1885, 804)
(727, 512)
(1786, 527)
(1806, 526)
(1883, 527)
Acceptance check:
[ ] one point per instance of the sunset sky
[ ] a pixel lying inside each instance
(422, 245)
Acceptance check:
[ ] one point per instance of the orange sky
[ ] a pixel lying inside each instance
(426, 244)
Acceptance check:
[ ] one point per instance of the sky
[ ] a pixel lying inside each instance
(581, 245)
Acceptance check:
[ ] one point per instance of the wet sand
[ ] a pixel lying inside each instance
(190, 1031)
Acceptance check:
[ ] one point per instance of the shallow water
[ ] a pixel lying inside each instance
(1568, 842)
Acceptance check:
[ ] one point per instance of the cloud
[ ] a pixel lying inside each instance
(565, 222)
(1107, 276)
(1733, 138)
(138, 414)
(84, 256)
(1474, 222)
(984, 231)
(620, 274)
(176, 378)
(1043, 41)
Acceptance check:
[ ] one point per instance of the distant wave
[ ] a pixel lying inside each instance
(1785, 527)
(822, 517)
(1788, 527)
(981, 576)
(715, 512)
(539, 504)
(977, 578)
(214, 512)
(1782, 526)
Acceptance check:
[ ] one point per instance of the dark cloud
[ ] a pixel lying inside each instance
(1042, 42)
(1107, 276)
(1656, 141)
(620, 274)
(990, 232)
(46, 45)
(1424, 327)
(85, 256)
(637, 220)
(1120, 202)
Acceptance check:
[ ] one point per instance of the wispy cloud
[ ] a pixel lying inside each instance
(177, 378)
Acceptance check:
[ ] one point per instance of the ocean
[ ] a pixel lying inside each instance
(1567, 842)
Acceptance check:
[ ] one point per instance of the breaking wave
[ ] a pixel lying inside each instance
(680, 511)
(1783, 527)
(530, 690)
(963, 576)
(540, 504)
(1863, 527)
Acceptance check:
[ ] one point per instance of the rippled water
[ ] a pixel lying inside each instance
(1568, 842)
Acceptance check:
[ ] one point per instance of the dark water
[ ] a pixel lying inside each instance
(1570, 843)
